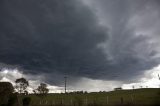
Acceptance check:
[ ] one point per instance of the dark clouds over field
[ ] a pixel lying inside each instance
(98, 39)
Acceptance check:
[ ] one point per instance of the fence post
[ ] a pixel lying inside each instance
(132, 98)
(86, 101)
(71, 102)
(122, 100)
(107, 100)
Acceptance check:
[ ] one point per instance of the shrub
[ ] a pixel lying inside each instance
(26, 101)
(12, 100)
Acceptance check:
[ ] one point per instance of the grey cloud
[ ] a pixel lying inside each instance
(58, 38)
(129, 46)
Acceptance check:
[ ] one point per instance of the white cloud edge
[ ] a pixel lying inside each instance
(149, 79)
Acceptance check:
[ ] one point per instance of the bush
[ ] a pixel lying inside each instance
(26, 101)
(12, 100)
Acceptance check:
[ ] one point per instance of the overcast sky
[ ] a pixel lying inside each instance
(100, 44)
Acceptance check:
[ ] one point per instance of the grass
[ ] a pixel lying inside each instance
(137, 97)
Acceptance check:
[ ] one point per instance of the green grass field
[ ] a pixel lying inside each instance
(137, 97)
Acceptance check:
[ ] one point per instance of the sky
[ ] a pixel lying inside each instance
(97, 44)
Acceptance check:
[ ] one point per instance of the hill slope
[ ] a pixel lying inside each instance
(137, 97)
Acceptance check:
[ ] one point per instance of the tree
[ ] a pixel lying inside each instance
(6, 89)
(41, 92)
(21, 85)
(42, 89)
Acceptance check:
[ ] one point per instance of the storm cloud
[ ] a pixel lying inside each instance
(97, 39)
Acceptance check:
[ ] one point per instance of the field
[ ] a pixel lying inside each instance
(137, 97)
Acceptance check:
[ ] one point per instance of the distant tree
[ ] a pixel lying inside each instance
(85, 92)
(119, 88)
(35, 91)
(21, 85)
(26, 92)
(42, 89)
(78, 92)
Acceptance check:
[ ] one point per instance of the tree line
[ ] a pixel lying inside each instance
(10, 95)
(22, 84)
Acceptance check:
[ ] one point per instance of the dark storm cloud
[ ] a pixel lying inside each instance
(50, 37)
(61, 37)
